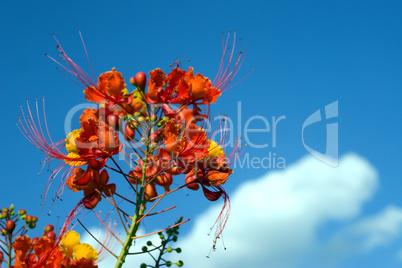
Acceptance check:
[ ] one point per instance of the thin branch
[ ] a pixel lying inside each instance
(97, 239)
(177, 224)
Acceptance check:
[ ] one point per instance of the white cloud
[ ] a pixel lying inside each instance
(274, 219)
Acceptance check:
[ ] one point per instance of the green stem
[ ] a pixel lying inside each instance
(139, 211)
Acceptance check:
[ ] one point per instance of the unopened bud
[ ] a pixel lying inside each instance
(48, 228)
(51, 235)
(113, 120)
(179, 263)
(129, 131)
(140, 80)
(22, 212)
(28, 218)
(10, 226)
(169, 249)
(132, 80)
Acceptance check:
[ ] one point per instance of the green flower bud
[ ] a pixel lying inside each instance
(178, 250)
(22, 212)
(144, 249)
(179, 263)
(149, 243)
(169, 249)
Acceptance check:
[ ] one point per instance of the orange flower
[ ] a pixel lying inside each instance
(92, 182)
(112, 82)
(89, 114)
(171, 137)
(45, 254)
(110, 89)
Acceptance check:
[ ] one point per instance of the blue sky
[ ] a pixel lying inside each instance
(307, 55)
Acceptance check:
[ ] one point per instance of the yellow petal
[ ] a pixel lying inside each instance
(69, 241)
(214, 149)
(85, 251)
(70, 140)
(74, 163)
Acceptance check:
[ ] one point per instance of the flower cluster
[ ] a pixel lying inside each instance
(159, 123)
(45, 251)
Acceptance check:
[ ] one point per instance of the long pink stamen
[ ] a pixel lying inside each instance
(75, 70)
(226, 71)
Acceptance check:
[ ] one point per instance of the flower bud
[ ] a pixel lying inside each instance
(22, 212)
(51, 235)
(48, 228)
(150, 192)
(3, 232)
(12, 207)
(169, 249)
(132, 80)
(10, 226)
(129, 132)
(34, 219)
(113, 121)
(140, 80)
(28, 218)
(32, 225)
(179, 263)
